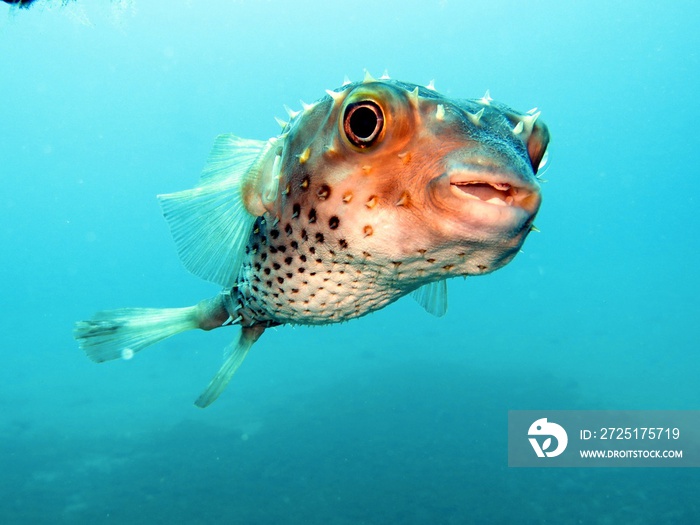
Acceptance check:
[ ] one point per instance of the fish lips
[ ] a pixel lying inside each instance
(486, 198)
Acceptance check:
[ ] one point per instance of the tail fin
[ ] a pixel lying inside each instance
(121, 333)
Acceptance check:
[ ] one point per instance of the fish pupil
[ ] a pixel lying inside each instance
(363, 121)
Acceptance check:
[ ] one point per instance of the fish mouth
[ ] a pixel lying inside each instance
(495, 189)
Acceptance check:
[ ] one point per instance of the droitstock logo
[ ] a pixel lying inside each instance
(545, 430)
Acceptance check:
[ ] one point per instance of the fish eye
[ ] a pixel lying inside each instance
(363, 122)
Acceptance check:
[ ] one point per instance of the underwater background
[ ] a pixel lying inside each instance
(398, 417)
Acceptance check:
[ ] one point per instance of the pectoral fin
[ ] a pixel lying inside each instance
(210, 223)
(432, 297)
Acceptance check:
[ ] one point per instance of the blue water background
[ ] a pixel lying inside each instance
(398, 417)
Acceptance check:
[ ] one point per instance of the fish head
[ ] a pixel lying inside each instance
(399, 173)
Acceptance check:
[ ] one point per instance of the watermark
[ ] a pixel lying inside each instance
(603, 438)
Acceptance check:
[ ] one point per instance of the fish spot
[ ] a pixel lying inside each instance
(333, 222)
(367, 254)
(481, 267)
(257, 266)
(431, 261)
(263, 257)
(305, 182)
(288, 260)
(274, 233)
(367, 230)
(295, 290)
(294, 244)
(302, 258)
(289, 275)
(448, 267)
(319, 237)
(282, 248)
(280, 280)
(288, 229)
(276, 266)
(422, 252)
(304, 235)
(273, 249)
(296, 210)
(347, 197)
(404, 200)
(319, 261)
(343, 243)
(396, 264)
(269, 284)
(323, 192)
(312, 216)
(301, 269)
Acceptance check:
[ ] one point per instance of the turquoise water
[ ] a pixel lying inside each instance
(398, 417)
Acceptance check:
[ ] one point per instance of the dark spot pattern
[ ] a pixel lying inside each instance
(333, 222)
(323, 192)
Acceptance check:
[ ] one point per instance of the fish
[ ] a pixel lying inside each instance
(379, 189)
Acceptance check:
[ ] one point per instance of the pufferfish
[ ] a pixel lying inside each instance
(378, 190)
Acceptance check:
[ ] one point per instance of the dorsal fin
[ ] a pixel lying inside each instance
(432, 297)
(210, 223)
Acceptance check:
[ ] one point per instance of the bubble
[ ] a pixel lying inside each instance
(127, 353)
(245, 437)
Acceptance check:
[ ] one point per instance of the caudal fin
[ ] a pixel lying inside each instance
(121, 333)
